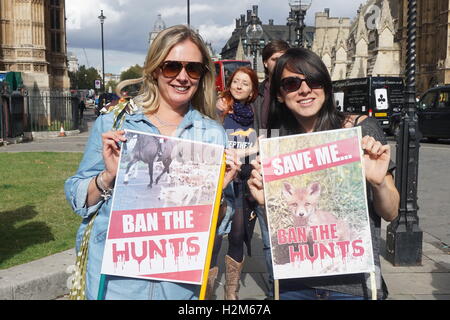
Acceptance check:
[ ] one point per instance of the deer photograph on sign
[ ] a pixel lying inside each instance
(315, 195)
(162, 208)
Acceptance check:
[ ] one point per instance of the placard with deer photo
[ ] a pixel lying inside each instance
(164, 198)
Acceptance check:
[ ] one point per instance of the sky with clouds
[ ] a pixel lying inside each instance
(129, 22)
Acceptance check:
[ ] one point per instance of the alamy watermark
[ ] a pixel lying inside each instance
(373, 17)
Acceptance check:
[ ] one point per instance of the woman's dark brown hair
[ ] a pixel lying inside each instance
(306, 62)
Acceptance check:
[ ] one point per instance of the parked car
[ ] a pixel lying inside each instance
(433, 113)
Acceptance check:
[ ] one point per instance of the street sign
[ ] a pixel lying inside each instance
(98, 84)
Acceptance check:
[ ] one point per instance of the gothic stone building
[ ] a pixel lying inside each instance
(355, 48)
(33, 41)
(237, 47)
(364, 46)
(433, 46)
(374, 43)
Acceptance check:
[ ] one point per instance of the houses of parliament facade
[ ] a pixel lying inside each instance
(33, 42)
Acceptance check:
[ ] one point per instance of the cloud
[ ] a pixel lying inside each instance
(169, 12)
(129, 22)
(216, 33)
(79, 17)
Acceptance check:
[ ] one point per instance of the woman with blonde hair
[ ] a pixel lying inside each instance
(203, 99)
(176, 99)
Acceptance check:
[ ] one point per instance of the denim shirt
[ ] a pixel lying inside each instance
(194, 126)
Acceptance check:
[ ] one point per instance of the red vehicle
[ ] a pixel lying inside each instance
(224, 69)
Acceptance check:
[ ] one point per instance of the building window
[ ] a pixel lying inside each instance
(54, 3)
(55, 21)
(56, 41)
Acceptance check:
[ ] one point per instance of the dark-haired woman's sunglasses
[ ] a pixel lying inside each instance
(171, 69)
(291, 84)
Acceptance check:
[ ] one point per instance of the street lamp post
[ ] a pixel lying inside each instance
(188, 13)
(290, 23)
(299, 8)
(404, 237)
(254, 33)
(102, 18)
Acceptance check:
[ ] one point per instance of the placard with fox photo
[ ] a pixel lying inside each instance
(162, 208)
(316, 202)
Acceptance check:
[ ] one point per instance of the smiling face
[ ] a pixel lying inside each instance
(305, 102)
(177, 92)
(241, 87)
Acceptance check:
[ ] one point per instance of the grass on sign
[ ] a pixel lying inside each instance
(35, 217)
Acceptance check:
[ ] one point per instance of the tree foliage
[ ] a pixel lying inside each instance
(84, 78)
(133, 72)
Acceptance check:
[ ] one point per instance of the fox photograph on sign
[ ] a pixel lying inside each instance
(162, 208)
(315, 195)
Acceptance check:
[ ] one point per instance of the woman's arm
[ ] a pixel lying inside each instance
(233, 166)
(80, 189)
(376, 163)
(386, 198)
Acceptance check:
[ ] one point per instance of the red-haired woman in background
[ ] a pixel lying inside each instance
(235, 110)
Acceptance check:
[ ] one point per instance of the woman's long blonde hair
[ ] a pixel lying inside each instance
(204, 98)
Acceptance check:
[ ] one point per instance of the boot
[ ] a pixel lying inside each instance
(232, 276)
(212, 275)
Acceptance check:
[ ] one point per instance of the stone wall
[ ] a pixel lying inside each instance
(31, 43)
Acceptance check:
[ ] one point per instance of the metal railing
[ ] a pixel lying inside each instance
(51, 110)
(3, 115)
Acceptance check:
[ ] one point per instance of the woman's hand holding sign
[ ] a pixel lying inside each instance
(376, 164)
(111, 152)
(233, 165)
(376, 160)
(255, 182)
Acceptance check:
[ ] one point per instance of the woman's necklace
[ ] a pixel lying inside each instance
(164, 123)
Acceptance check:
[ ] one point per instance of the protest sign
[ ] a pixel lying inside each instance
(162, 208)
(316, 202)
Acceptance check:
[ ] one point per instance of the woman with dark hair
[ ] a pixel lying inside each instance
(235, 110)
(302, 88)
(318, 79)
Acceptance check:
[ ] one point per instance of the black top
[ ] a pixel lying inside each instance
(241, 135)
